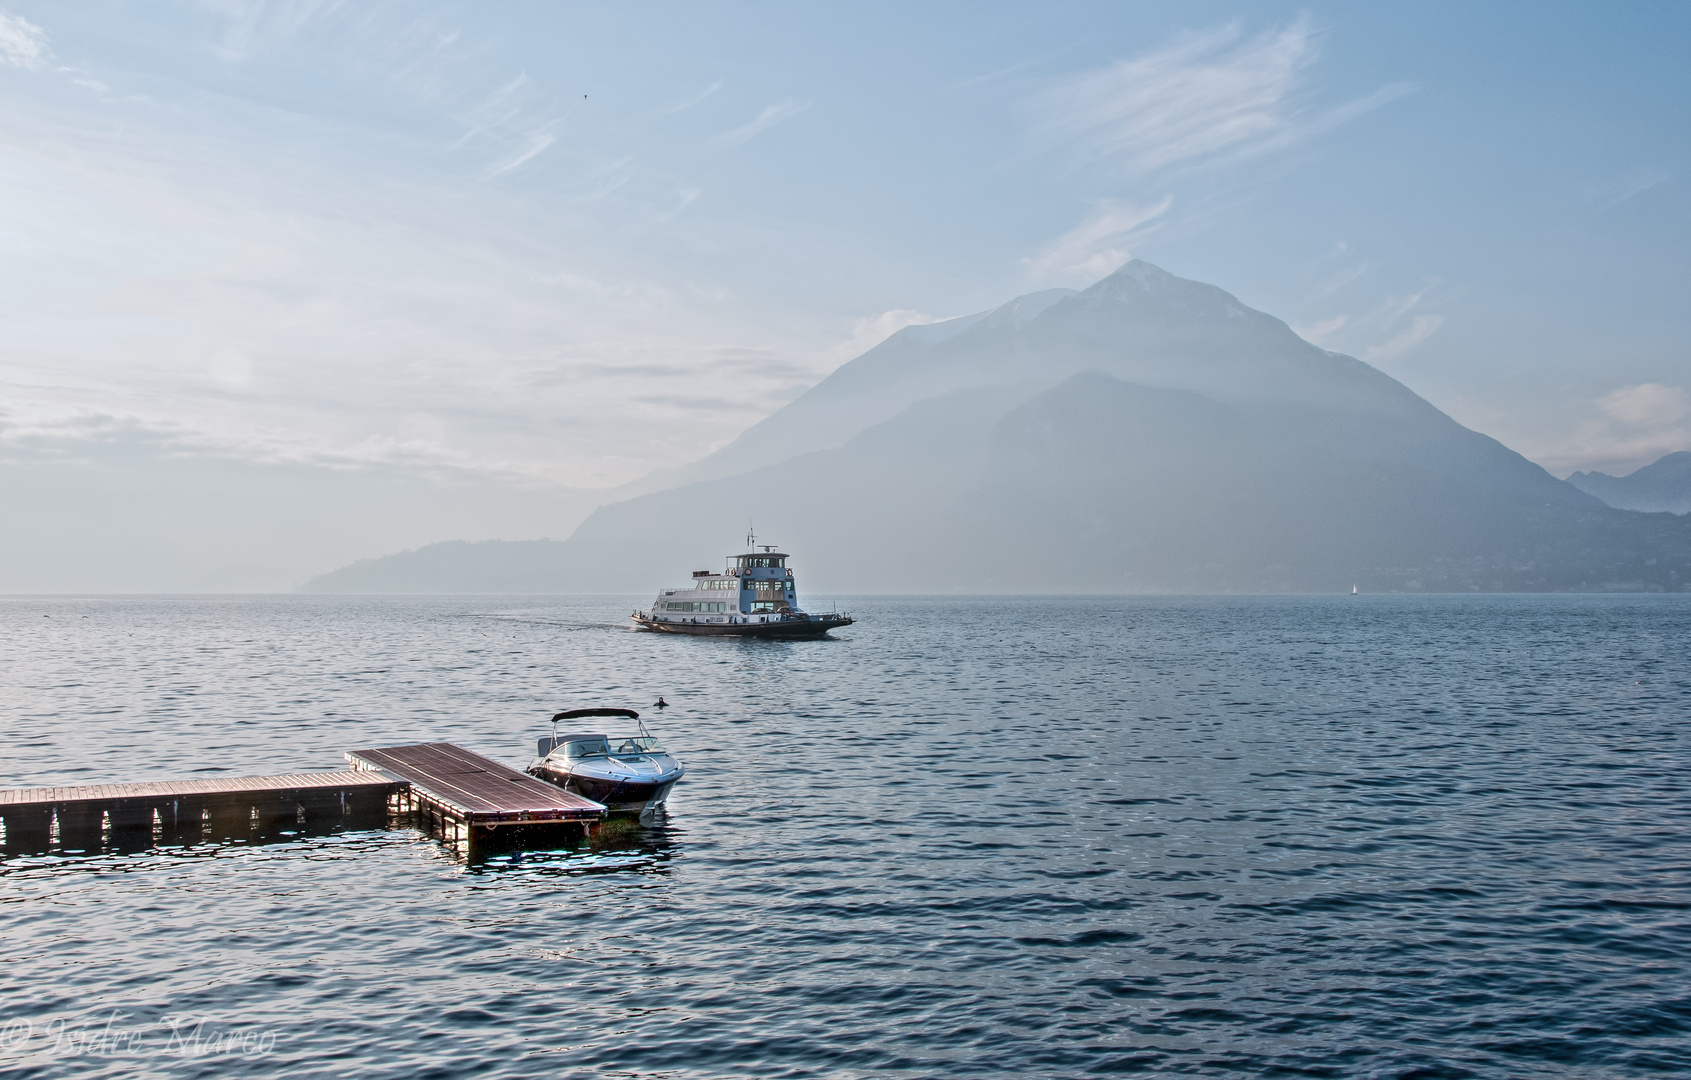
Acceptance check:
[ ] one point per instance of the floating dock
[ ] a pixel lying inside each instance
(472, 800)
(96, 816)
(467, 799)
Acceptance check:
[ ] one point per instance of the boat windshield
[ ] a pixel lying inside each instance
(640, 745)
(586, 748)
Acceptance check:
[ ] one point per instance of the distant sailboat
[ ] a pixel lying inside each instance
(1353, 590)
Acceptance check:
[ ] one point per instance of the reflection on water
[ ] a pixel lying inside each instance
(622, 842)
(1373, 836)
(638, 848)
(43, 832)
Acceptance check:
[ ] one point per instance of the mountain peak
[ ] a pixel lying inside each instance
(1138, 281)
(1144, 272)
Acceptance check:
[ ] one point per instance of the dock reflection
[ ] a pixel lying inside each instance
(620, 843)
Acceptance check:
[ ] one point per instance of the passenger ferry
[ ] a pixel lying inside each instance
(755, 597)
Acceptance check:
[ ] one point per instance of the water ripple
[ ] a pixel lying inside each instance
(1370, 837)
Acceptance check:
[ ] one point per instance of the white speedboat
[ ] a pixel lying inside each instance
(629, 772)
(755, 596)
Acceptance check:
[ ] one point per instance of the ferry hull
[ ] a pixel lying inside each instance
(813, 627)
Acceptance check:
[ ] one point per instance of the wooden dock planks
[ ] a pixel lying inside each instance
(91, 817)
(210, 787)
(453, 792)
(476, 789)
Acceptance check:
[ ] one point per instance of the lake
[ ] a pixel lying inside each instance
(1392, 836)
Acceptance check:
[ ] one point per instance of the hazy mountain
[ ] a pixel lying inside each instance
(1148, 433)
(914, 363)
(1663, 485)
(455, 566)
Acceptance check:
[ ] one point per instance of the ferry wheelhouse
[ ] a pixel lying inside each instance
(756, 596)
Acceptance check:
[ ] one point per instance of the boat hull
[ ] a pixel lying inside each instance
(618, 796)
(813, 627)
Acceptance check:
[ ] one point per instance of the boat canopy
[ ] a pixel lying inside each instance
(571, 714)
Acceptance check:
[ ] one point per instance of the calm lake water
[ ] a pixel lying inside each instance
(1369, 836)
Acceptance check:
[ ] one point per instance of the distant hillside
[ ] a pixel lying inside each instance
(1664, 485)
(1147, 434)
(456, 566)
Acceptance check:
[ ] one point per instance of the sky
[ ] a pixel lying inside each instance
(287, 284)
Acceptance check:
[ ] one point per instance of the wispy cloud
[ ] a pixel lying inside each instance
(22, 43)
(1420, 328)
(1098, 245)
(688, 103)
(1010, 69)
(1635, 425)
(1647, 405)
(1611, 193)
(537, 142)
(1334, 282)
(1390, 329)
(765, 120)
(683, 199)
(258, 24)
(1321, 329)
(1208, 95)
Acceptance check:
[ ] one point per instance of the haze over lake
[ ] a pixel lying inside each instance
(1155, 537)
(290, 287)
